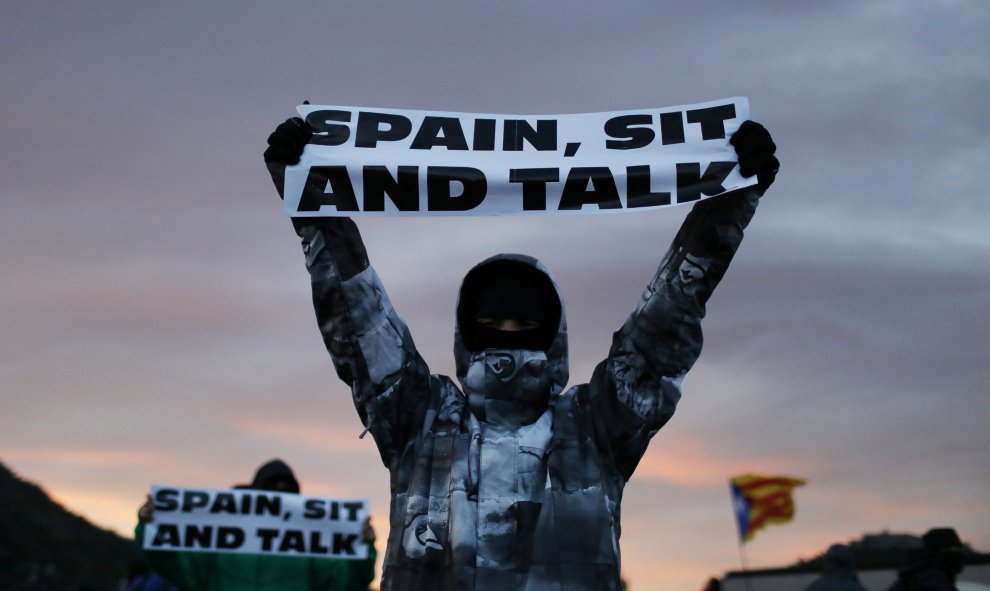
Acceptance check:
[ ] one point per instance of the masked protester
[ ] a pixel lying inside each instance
(214, 571)
(510, 482)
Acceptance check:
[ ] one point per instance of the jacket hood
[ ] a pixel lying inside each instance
(274, 469)
(557, 351)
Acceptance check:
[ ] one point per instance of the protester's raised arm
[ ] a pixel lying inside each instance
(369, 343)
(640, 381)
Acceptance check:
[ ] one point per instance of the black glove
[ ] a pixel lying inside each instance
(286, 143)
(755, 150)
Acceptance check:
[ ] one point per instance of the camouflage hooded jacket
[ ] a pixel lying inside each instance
(529, 498)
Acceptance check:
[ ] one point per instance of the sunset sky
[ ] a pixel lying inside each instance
(155, 316)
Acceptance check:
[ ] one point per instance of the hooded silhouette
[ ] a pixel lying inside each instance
(275, 475)
(838, 572)
(935, 566)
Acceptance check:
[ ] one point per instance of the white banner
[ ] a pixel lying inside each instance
(373, 162)
(255, 522)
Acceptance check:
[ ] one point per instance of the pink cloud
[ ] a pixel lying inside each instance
(697, 462)
(312, 436)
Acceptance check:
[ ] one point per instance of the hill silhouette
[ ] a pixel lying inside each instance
(43, 546)
(888, 550)
(872, 551)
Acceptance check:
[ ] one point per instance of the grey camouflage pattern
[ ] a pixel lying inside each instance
(529, 498)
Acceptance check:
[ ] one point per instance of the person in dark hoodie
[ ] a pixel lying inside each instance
(510, 482)
(838, 572)
(275, 475)
(935, 566)
(214, 571)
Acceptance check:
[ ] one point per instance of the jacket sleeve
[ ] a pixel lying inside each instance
(332, 574)
(370, 345)
(186, 570)
(362, 572)
(636, 389)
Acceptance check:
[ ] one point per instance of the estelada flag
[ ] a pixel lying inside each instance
(760, 500)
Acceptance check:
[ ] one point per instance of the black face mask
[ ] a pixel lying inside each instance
(509, 290)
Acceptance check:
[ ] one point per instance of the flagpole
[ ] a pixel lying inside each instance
(745, 564)
(742, 536)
